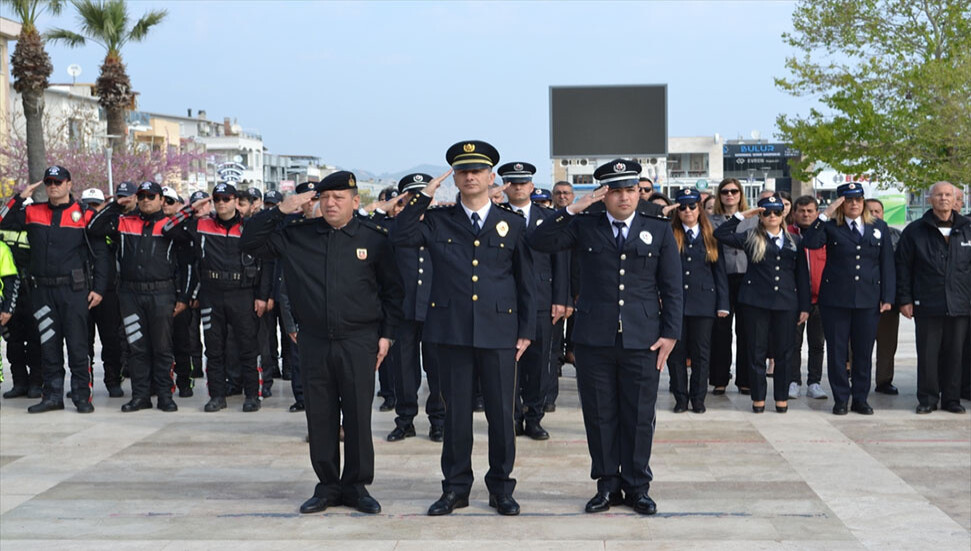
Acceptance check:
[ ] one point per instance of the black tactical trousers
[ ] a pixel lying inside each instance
(223, 309)
(147, 319)
(23, 344)
(61, 315)
(182, 348)
(106, 317)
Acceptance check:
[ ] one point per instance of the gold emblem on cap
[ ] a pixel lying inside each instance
(502, 228)
(468, 148)
(350, 180)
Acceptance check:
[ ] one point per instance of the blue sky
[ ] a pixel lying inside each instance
(385, 86)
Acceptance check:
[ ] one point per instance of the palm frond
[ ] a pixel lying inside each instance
(104, 21)
(149, 20)
(65, 36)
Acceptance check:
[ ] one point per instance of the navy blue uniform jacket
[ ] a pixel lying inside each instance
(552, 270)
(483, 291)
(628, 285)
(705, 284)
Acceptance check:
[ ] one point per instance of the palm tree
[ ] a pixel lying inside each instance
(31, 67)
(105, 22)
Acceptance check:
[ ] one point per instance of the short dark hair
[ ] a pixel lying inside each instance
(643, 179)
(563, 183)
(805, 200)
(658, 195)
(877, 201)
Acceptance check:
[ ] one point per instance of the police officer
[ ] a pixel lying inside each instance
(195, 323)
(542, 197)
(228, 296)
(551, 292)
(153, 288)
(482, 316)
(23, 340)
(64, 285)
(629, 265)
(343, 269)
(859, 282)
(410, 353)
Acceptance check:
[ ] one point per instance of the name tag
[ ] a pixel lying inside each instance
(966, 243)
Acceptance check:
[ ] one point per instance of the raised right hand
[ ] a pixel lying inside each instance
(29, 190)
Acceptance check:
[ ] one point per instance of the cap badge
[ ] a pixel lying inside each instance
(362, 254)
(852, 186)
(518, 166)
(646, 237)
(468, 148)
(310, 185)
(75, 216)
(350, 182)
(54, 171)
(502, 228)
(772, 199)
(419, 178)
(620, 167)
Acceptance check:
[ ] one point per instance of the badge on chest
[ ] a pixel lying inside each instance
(362, 254)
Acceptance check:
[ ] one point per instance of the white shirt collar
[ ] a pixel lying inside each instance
(776, 236)
(629, 220)
(525, 209)
(483, 212)
(859, 222)
(692, 228)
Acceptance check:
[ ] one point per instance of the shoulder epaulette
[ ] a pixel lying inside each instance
(380, 228)
(507, 208)
(654, 216)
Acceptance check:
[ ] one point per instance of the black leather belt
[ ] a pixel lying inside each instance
(50, 281)
(146, 286)
(211, 275)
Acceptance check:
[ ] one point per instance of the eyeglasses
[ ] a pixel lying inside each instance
(53, 182)
(222, 199)
(730, 191)
(768, 213)
(689, 206)
(562, 192)
(146, 196)
(169, 201)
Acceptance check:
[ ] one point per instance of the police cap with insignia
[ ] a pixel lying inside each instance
(851, 189)
(619, 173)
(342, 179)
(304, 187)
(772, 202)
(149, 187)
(472, 155)
(57, 174)
(273, 197)
(125, 189)
(255, 193)
(687, 196)
(224, 189)
(92, 196)
(170, 193)
(196, 195)
(413, 182)
(516, 172)
(541, 195)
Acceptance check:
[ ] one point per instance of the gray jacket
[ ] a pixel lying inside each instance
(735, 259)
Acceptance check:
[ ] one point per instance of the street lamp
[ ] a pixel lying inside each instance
(109, 137)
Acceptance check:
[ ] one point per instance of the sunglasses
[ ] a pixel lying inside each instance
(222, 199)
(689, 206)
(169, 201)
(53, 182)
(730, 191)
(647, 190)
(768, 213)
(146, 196)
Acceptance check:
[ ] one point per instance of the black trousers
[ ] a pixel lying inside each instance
(195, 342)
(939, 336)
(296, 379)
(182, 348)
(147, 318)
(338, 377)
(618, 394)
(721, 342)
(461, 366)
(557, 354)
(763, 326)
(533, 371)
(223, 309)
(106, 317)
(695, 343)
(887, 329)
(845, 328)
(23, 344)
(61, 315)
(269, 355)
(813, 328)
(386, 375)
(410, 357)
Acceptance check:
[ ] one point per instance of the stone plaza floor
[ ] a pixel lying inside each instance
(727, 479)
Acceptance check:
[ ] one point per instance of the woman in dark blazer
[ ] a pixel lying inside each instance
(774, 293)
(705, 297)
(858, 284)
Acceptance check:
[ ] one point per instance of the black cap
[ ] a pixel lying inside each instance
(413, 182)
(516, 172)
(224, 189)
(337, 181)
(273, 197)
(851, 189)
(196, 195)
(125, 189)
(388, 193)
(772, 202)
(307, 186)
(541, 195)
(472, 155)
(57, 173)
(619, 173)
(255, 193)
(149, 187)
(687, 196)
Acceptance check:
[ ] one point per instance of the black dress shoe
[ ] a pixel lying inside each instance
(45, 405)
(758, 409)
(519, 428)
(15, 392)
(479, 404)
(115, 392)
(168, 406)
(680, 408)
(186, 392)
(136, 404)
(317, 504)
(862, 408)
(698, 408)
(954, 407)
(35, 392)
(215, 403)
(642, 504)
(745, 391)
(718, 391)
(85, 407)
(251, 404)
(448, 503)
(297, 406)
(367, 504)
(504, 504)
(839, 408)
(536, 431)
(436, 433)
(267, 391)
(922, 410)
(401, 433)
(887, 389)
(387, 405)
(549, 408)
(603, 501)
(781, 409)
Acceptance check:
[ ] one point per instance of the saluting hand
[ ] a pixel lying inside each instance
(666, 211)
(752, 212)
(198, 203)
(432, 186)
(295, 202)
(833, 207)
(29, 190)
(587, 200)
(383, 346)
(664, 347)
(521, 346)
(126, 201)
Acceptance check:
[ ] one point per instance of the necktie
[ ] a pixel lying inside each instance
(521, 213)
(691, 236)
(854, 227)
(620, 234)
(475, 223)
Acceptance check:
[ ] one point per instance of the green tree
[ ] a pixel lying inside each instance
(106, 22)
(31, 67)
(894, 80)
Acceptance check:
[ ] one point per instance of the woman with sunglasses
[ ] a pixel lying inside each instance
(705, 297)
(730, 199)
(859, 282)
(774, 293)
